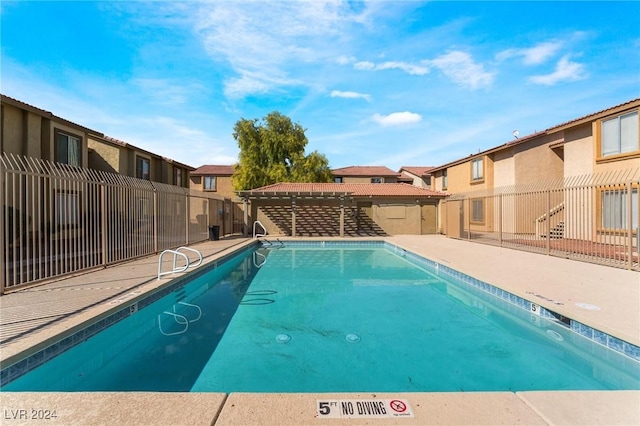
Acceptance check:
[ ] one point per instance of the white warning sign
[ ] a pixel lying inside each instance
(363, 408)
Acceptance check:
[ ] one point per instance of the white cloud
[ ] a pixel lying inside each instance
(350, 95)
(364, 65)
(565, 71)
(460, 67)
(411, 69)
(167, 92)
(345, 60)
(397, 118)
(260, 40)
(535, 55)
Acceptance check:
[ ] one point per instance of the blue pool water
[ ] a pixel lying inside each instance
(332, 319)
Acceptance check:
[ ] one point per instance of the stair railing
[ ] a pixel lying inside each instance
(540, 221)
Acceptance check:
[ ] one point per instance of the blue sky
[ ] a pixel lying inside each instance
(374, 83)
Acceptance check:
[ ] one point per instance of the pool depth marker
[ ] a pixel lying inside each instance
(362, 408)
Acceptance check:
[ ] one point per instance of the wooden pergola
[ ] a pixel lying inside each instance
(293, 196)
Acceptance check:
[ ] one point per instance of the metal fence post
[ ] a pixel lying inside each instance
(630, 225)
(548, 221)
(155, 220)
(500, 218)
(187, 209)
(468, 218)
(3, 241)
(103, 221)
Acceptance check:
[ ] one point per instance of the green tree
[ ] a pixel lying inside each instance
(272, 150)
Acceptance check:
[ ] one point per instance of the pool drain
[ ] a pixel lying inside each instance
(352, 338)
(283, 338)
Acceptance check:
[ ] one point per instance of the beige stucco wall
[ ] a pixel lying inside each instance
(224, 186)
(12, 130)
(578, 151)
(437, 179)
(459, 176)
(22, 132)
(504, 169)
(195, 182)
(417, 180)
(398, 217)
(534, 161)
(106, 158)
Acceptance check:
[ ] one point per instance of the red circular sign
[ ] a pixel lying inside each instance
(398, 406)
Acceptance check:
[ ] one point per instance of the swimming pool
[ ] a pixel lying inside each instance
(333, 318)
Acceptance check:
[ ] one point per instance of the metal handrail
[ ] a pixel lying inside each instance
(180, 319)
(175, 269)
(257, 222)
(176, 316)
(195, 251)
(255, 262)
(192, 306)
(177, 253)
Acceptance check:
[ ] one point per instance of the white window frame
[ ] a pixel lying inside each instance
(619, 135)
(67, 209)
(209, 183)
(72, 152)
(477, 210)
(615, 208)
(377, 180)
(445, 180)
(477, 170)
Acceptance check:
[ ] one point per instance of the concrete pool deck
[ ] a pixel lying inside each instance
(32, 317)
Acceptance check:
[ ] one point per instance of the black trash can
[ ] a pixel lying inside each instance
(214, 233)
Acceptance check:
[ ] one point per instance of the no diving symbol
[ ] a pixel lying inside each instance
(398, 406)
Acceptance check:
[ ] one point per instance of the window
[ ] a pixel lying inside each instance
(209, 183)
(615, 209)
(477, 172)
(620, 134)
(337, 179)
(477, 210)
(144, 208)
(445, 181)
(177, 176)
(143, 168)
(67, 209)
(68, 149)
(376, 180)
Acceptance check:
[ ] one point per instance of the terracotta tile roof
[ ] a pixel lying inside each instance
(214, 170)
(417, 170)
(373, 171)
(354, 189)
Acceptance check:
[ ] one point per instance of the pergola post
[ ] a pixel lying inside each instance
(245, 205)
(341, 216)
(293, 215)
